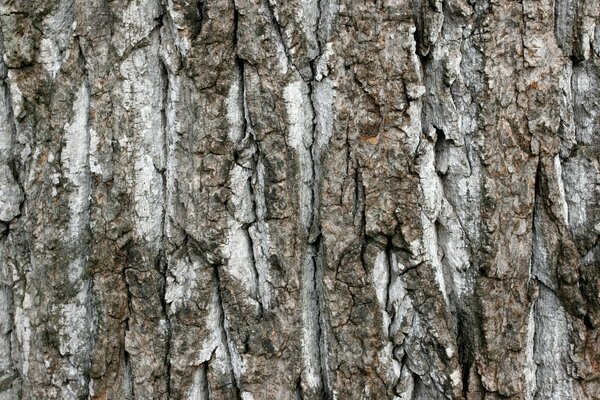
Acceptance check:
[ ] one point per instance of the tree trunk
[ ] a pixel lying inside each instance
(300, 199)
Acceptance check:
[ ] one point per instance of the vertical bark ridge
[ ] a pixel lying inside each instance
(12, 208)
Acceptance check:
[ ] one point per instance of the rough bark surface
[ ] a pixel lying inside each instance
(300, 199)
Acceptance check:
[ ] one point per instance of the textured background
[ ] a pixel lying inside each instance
(300, 199)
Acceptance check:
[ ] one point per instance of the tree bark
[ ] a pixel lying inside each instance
(300, 199)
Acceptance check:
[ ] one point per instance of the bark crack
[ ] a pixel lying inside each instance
(128, 385)
(223, 326)
(314, 249)
(162, 263)
(275, 23)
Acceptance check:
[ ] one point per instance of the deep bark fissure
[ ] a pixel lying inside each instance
(315, 249)
(318, 35)
(278, 31)
(465, 346)
(314, 234)
(299, 395)
(288, 150)
(88, 279)
(248, 133)
(200, 16)
(537, 203)
(128, 386)
(128, 379)
(234, 36)
(162, 264)
(256, 274)
(223, 326)
(389, 254)
(205, 383)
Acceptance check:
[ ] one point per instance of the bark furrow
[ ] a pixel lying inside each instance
(303, 199)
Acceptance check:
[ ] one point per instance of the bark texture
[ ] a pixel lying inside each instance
(300, 199)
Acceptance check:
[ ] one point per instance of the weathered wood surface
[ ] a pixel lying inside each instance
(300, 199)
